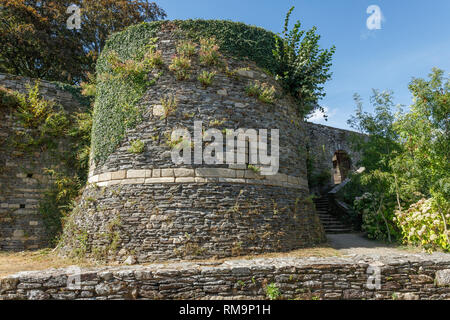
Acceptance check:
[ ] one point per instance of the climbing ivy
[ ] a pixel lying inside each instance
(118, 96)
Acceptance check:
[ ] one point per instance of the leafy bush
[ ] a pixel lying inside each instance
(424, 224)
(377, 216)
(301, 65)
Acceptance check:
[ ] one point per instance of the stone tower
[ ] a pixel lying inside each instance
(139, 202)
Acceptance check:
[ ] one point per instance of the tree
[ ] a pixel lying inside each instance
(407, 160)
(35, 40)
(301, 65)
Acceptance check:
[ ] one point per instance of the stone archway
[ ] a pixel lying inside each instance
(341, 166)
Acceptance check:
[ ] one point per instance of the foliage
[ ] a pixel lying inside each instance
(301, 65)
(209, 51)
(113, 93)
(35, 40)
(186, 48)
(47, 128)
(262, 91)
(425, 224)
(181, 66)
(58, 202)
(406, 156)
(206, 78)
(272, 291)
(169, 104)
(137, 146)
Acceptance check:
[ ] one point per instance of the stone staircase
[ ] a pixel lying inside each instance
(331, 224)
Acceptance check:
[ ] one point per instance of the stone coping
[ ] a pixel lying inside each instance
(238, 174)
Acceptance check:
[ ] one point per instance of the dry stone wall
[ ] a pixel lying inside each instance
(407, 277)
(22, 176)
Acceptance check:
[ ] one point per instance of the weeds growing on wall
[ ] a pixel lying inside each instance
(48, 127)
(123, 73)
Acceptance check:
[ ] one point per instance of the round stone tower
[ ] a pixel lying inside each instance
(138, 201)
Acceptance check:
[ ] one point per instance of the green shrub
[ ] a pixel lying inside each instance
(422, 224)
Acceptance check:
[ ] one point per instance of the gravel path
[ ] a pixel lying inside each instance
(355, 243)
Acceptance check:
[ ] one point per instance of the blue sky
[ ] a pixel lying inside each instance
(415, 37)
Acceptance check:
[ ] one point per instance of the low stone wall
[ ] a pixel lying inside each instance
(418, 276)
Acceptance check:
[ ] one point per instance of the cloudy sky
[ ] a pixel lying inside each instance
(414, 37)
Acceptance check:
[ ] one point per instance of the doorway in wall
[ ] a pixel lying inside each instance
(341, 166)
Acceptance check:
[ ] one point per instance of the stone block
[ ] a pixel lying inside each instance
(443, 278)
(183, 172)
(118, 175)
(215, 172)
(159, 180)
(136, 174)
(167, 173)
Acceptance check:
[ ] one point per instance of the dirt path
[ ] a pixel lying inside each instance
(354, 243)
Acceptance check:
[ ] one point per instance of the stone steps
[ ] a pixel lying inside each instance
(330, 223)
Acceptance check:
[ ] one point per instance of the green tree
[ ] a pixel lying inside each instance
(35, 40)
(302, 66)
(406, 185)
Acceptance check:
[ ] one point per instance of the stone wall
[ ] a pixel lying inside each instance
(408, 277)
(145, 206)
(22, 176)
(324, 142)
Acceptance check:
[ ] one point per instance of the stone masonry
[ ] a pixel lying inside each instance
(145, 206)
(22, 176)
(404, 277)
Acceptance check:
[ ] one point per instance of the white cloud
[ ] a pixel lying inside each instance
(319, 116)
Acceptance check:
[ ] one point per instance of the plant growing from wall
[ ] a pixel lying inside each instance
(206, 78)
(209, 51)
(169, 104)
(272, 291)
(181, 66)
(302, 67)
(186, 48)
(137, 147)
(262, 91)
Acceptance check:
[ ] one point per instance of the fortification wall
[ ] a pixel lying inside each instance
(324, 142)
(408, 277)
(145, 206)
(22, 174)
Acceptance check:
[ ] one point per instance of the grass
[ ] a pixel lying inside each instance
(13, 262)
